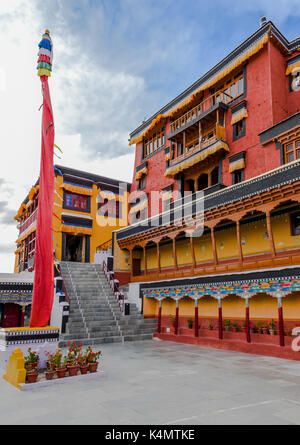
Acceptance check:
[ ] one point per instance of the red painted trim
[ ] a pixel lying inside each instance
(281, 326)
(176, 320)
(248, 337)
(196, 322)
(220, 320)
(238, 345)
(159, 320)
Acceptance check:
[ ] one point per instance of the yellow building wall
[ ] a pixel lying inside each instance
(261, 307)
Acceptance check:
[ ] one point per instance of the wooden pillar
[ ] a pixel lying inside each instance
(220, 320)
(174, 254)
(248, 337)
(131, 261)
(214, 247)
(145, 261)
(159, 317)
(239, 242)
(280, 322)
(270, 233)
(196, 321)
(192, 251)
(158, 256)
(177, 317)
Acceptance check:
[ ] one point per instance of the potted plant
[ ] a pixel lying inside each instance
(83, 364)
(259, 326)
(235, 327)
(272, 327)
(31, 362)
(32, 374)
(288, 332)
(190, 323)
(265, 329)
(72, 358)
(92, 359)
(252, 328)
(243, 326)
(32, 359)
(173, 321)
(50, 372)
(60, 365)
(227, 325)
(210, 326)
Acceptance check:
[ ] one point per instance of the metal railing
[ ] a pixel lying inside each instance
(114, 286)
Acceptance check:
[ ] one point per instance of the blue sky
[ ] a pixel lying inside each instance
(116, 62)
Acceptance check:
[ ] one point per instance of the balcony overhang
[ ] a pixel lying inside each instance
(198, 157)
(203, 115)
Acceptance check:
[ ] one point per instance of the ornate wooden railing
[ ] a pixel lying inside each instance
(195, 112)
(27, 223)
(196, 145)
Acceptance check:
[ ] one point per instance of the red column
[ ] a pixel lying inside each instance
(280, 322)
(248, 337)
(220, 320)
(196, 323)
(177, 317)
(159, 317)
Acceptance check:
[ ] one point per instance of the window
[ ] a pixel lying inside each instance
(237, 176)
(111, 208)
(292, 151)
(239, 129)
(233, 89)
(295, 224)
(142, 182)
(295, 81)
(154, 143)
(77, 202)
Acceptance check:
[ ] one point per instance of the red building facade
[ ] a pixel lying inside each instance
(249, 91)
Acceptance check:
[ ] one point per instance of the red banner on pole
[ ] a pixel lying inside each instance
(43, 286)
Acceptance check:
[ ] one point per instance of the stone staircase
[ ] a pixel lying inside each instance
(95, 315)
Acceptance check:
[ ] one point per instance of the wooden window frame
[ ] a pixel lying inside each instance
(294, 150)
(77, 209)
(294, 229)
(150, 143)
(236, 136)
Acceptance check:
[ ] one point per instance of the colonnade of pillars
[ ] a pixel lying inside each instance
(220, 317)
(191, 240)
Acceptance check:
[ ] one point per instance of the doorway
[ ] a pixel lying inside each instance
(11, 315)
(74, 248)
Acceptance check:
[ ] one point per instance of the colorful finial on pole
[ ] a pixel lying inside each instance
(45, 55)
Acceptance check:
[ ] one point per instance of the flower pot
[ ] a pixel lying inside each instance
(93, 367)
(265, 331)
(61, 372)
(49, 374)
(272, 331)
(32, 377)
(84, 369)
(73, 370)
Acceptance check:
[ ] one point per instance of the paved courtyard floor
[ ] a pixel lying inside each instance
(156, 382)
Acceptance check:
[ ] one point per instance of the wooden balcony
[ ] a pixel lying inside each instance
(201, 110)
(28, 222)
(198, 149)
(247, 265)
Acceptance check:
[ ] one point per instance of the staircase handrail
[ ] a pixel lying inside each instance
(64, 288)
(118, 295)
